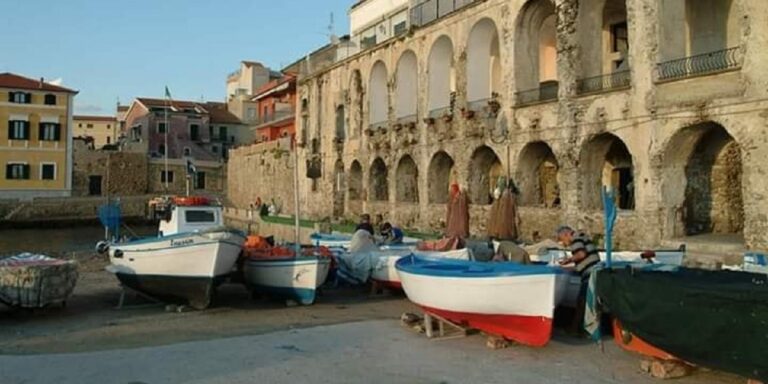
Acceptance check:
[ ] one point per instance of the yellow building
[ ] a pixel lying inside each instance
(103, 129)
(35, 138)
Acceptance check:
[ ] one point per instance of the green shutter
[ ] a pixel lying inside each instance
(8, 171)
(10, 96)
(10, 129)
(41, 131)
(27, 126)
(26, 172)
(57, 132)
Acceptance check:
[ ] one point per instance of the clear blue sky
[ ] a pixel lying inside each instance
(108, 49)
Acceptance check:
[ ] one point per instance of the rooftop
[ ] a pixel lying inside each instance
(11, 80)
(94, 118)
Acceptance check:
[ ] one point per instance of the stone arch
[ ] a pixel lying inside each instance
(439, 177)
(338, 188)
(604, 37)
(355, 183)
(355, 108)
(378, 100)
(484, 170)
(537, 175)
(407, 85)
(407, 181)
(378, 186)
(702, 174)
(341, 123)
(483, 61)
(606, 161)
(441, 74)
(536, 45)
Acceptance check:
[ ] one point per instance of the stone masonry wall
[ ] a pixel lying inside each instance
(122, 173)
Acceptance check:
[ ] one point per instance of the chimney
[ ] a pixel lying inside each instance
(42, 81)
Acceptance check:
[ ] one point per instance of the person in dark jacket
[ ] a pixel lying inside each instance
(391, 235)
(365, 224)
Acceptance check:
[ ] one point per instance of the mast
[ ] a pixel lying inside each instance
(297, 211)
(165, 153)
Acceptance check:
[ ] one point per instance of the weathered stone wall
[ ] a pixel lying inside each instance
(122, 173)
(660, 124)
(263, 171)
(215, 178)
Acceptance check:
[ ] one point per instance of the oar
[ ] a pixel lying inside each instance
(609, 207)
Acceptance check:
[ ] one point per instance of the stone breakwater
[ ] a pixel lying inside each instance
(52, 212)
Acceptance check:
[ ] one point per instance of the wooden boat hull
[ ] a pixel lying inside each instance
(715, 319)
(294, 279)
(196, 292)
(509, 300)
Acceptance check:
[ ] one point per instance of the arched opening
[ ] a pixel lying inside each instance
(484, 170)
(483, 62)
(537, 176)
(703, 176)
(355, 183)
(709, 26)
(536, 52)
(338, 189)
(604, 45)
(407, 85)
(407, 181)
(341, 123)
(441, 74)
(606, 161)
(378, 187)
(378, 100)
(355, 104)
(439, 177)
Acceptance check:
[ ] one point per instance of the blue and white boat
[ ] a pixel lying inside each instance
(294, 279)
(192, 254)
(342, 241)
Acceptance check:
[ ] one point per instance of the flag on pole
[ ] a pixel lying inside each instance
(167, 93)
(191, 169)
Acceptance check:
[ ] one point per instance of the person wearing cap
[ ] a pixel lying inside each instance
(365, 224)
(585, 257)
(391, 235)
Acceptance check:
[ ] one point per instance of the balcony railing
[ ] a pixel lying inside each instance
(616, 80)
(277, 116)
(430, 10)
(546, 92)
(710, 62)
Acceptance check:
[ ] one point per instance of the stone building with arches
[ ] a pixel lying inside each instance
(664, 101)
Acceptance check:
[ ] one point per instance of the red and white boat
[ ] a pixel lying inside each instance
(513, 301)
(384, 271)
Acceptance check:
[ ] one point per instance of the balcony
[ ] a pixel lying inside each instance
(613, 81)
(431, 10)
(546, 92)
(698, 65)
(275, 117)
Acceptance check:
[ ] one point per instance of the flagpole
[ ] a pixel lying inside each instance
(297, 212)
(167, 103)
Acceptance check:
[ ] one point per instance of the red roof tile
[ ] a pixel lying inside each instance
(220, 115)
(94, 118)
(10, 80)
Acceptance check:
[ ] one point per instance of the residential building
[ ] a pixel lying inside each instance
(276, 103)
(36, 146)
(242, 85)
(374, 21)
(102, 130)
(663, 102)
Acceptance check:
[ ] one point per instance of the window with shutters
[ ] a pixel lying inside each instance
(194, 132)
(50, 132)
(200, 180)
(20, 97)
(161, 149)
(161, 128)
(187, 151)
(17, 171)
(89, 125)
(168, 176)
(50, 99)
(18, 130)
(48, 171)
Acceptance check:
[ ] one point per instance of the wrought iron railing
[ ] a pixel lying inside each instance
(710, 62)
(430, 10)
(614, 80)
(546, 92)
(276, 116)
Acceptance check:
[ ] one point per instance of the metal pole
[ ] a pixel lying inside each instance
(188, 177)
(297, 211)
(166, 143)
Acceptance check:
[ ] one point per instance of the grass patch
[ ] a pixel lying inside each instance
(343, 227)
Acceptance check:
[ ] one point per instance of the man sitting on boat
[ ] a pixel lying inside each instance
(365, 224)
(585, 257)
(391, 235)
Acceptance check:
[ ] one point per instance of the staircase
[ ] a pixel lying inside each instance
(14, 211)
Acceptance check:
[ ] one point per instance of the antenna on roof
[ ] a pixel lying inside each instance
(331, 35)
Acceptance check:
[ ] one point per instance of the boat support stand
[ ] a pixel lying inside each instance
(454, 330)
(121, 301)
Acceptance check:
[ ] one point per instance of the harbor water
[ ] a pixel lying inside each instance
(59, 241)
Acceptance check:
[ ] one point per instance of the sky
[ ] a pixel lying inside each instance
(110, 50)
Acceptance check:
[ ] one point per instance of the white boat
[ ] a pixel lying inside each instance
(192, 254)
(384, 271)
(505, 299)
(294, 279)
(341, 240)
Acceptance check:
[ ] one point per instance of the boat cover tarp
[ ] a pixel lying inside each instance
(457, 218)
(502, 218)
(442, 245)
(35, 281)
(362, 241)
(716, 319)
(356, 267)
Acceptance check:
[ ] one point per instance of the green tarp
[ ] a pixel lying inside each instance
(715, 319)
